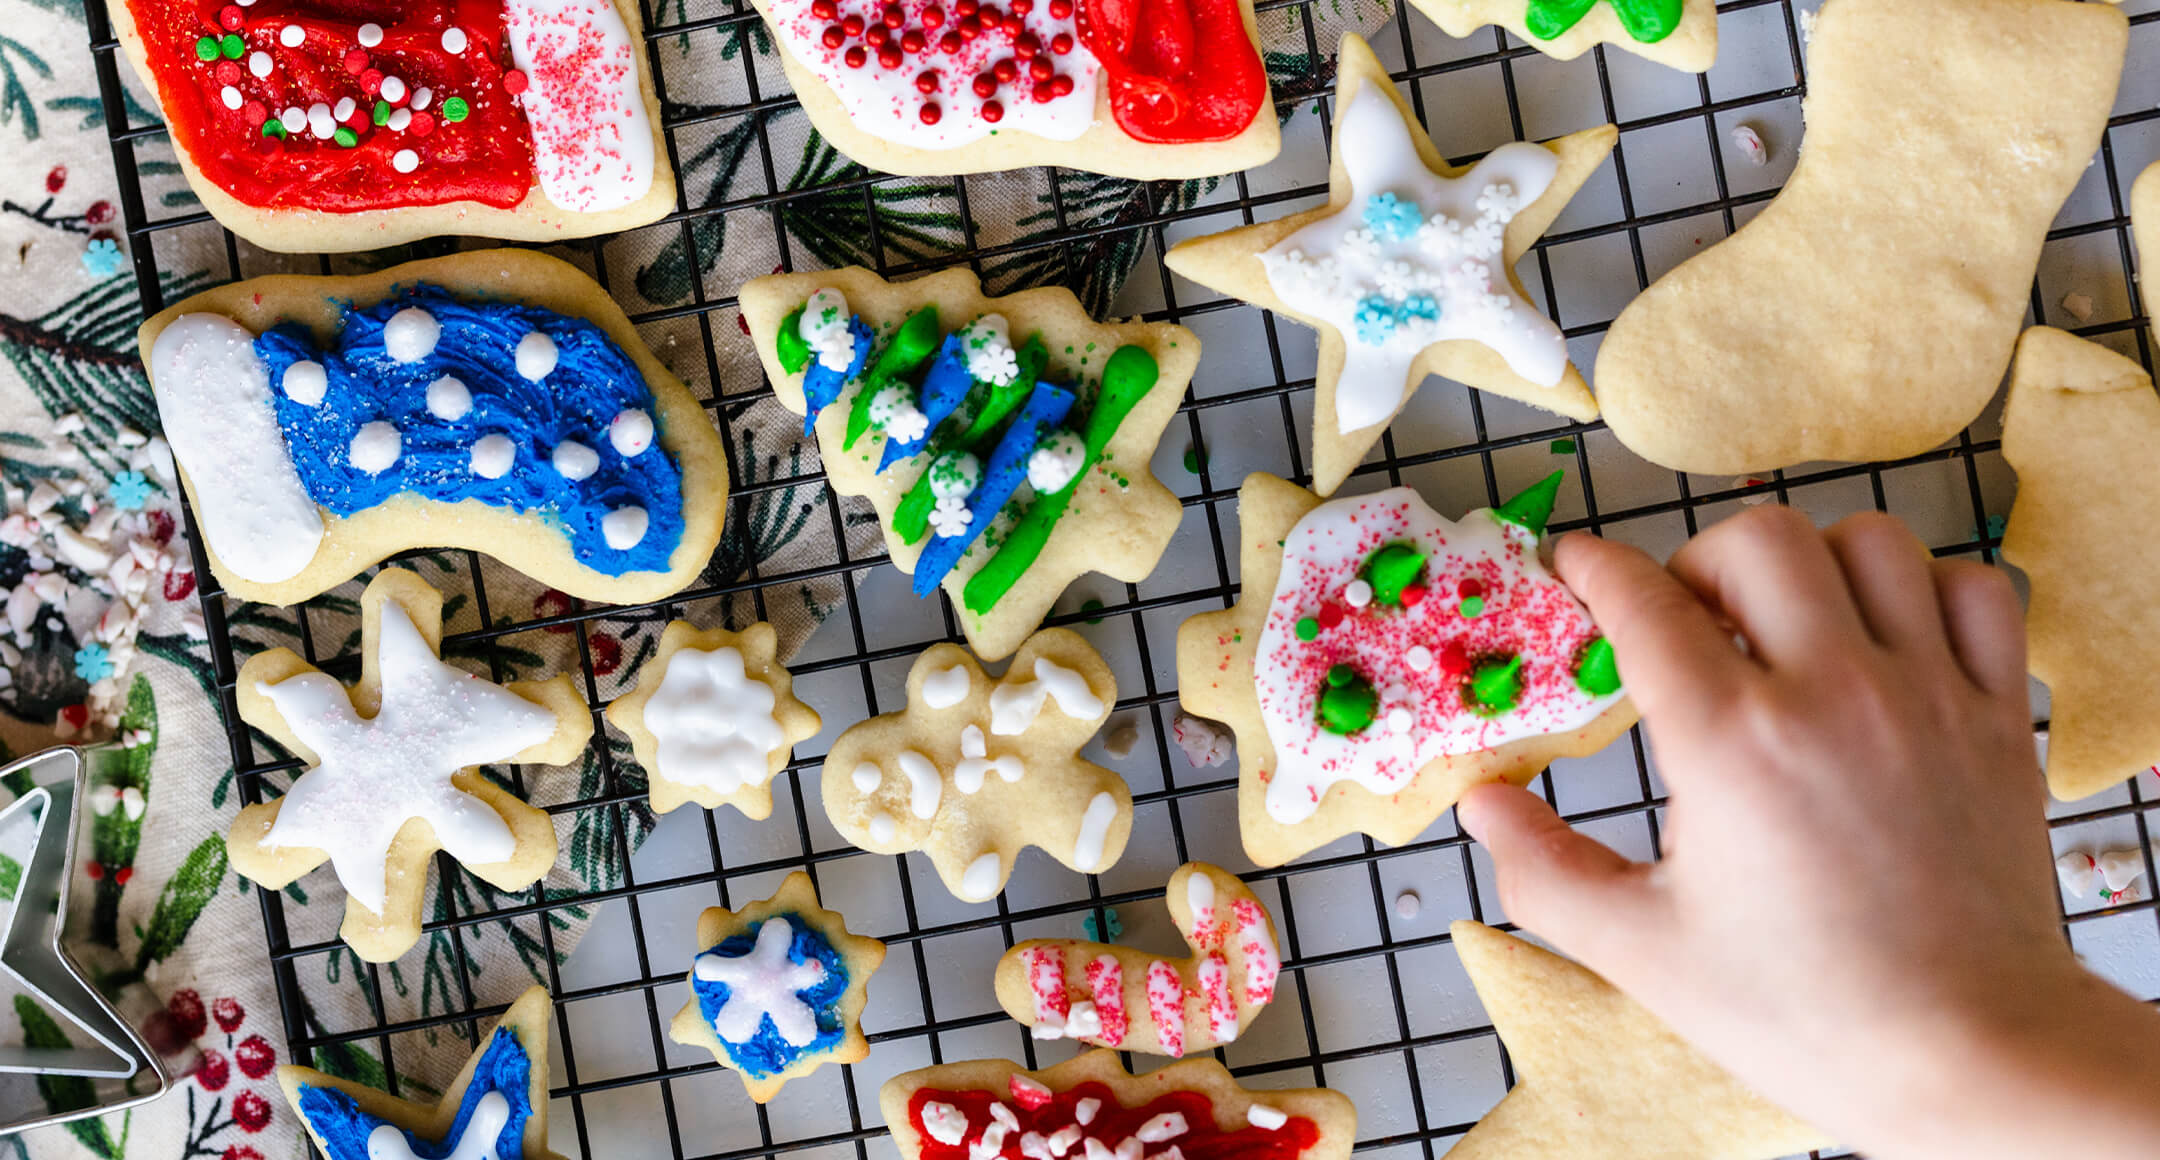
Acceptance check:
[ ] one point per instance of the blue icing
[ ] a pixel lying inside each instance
(1002, 476)
(821, 384)
(766, 1053)
(592, 382)
(504, 1067)
(943, 390)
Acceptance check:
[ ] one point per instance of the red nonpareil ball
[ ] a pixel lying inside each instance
(825, 9)
(931, 114)
(985, 85)
(255, 112)
(877, 35)
(889, 56)
(834, 36)
(856, 57)
(993, 112)
(371, 80)
(1043, 92)
(228, 72)
(912, 41)
(422, 124)
(1453, 660)
(926, 81)
(933, 18)
(1468, 588)
(950, 42)
(356, 61)
(1061, 84)
(990, 16)
(1025, 45)
(515, 82)
(1006, 71)
(230, 18)
(970, 27)
(852, 25)
(1041, 69)
(1061, 9)
(1062, 43)
(894, 16)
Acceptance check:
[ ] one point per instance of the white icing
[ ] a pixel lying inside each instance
(762, 985)
(713, 721)
(1266, 1118)
(592, 139)
(1080, 1021)
(630, 433)
(947, 687)
(1455, 259)
(1094, 831)
(1200, 899)
(372, 775)
(1056, 461)
(1086, 1110)
(574, 460)
(535, 355)
(493, 456)
(624, 527)
(868, 777)
(975, 762)
(375, 447)
(305, 382)
(411, 334)
(925, 785)
(448, 399)
(1015, 705)
(824, 329)
(882, 827)
(1167, 1126)
(490, 1115)
(1214, 979)
(945, 1123)
(988, 347)
(893, 411)
(981, 880)
(220, 420)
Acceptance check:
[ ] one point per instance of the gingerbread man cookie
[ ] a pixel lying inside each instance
(713, 718)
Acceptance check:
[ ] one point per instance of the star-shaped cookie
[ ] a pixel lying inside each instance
(1678, 33)
(777, 988)
(392, 774)
(713, 718)
(1437, 240)
(1598, 1076)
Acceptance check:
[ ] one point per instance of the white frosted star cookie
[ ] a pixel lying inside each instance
(713, 718)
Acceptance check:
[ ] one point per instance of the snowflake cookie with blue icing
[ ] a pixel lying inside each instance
(713, 718)
(1409, 269)
(495, 400)
(778, 989)
(496, 1109)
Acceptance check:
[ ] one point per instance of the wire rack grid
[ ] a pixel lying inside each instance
(1426, 1063)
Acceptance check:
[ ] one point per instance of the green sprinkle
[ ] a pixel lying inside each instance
(1472, 606)
(1563, 447)
(1595, 669)
(1347, 702)
(1092, 605)
(1494, 686)
(455, 109)
(345, 136)
(232, 46)
(206, 48)
(1307, 628)
(1341, 675)
(273, 128)
(1391, 569)
(1195, 459)
(382, 112)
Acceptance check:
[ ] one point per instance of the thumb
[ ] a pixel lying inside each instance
(1572, 890)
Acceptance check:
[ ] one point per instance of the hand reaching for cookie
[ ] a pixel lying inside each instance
(1855, 912)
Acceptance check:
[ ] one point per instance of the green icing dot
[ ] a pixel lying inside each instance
(1391, 569)
(1092, 605)
(1472, 606)
(1341, 675)
(455, 109)
(382, 113)
(1307, 628)
(1347, 702)
(1596, 670)
(1647, 21)
(1494, 686)
(1532, 506)
(206, 48)
(232, 46)
(345, 136)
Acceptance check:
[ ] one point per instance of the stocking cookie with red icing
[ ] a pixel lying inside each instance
(1113, 996)
(1383, 658)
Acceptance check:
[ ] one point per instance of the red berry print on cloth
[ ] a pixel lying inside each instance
(251, 1111)
(606, 654)
(56, 179)
(229, 1013)
(255, 1056)
(186, 1009)
(240, 1152)
(212, 1072)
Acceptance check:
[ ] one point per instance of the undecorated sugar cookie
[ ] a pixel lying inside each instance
(777, 989)
(1598, 1076)
(2079, 429)
(1679, 33)
(975, 768)
(1113, 996)
(1383, 658)
(713, 718)
(391, 771)
(1003, 441)
(2145, 222)
(1869, 311)
(496, 1109)
(1409, 269)
(987, 1107)
(496, 400)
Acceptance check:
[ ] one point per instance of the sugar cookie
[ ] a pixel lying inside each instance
(1679, 33)
(2078, 430)
(983, 1107)
(1113, 996)
(2145, 223)
(1869, 311)
(777, 989)
(713, 718)
(1409, 269)
(1382, 659)
(1601, 1077)
(496, 400)
(974, 769)
(941, 87)
(303, 132)
(1003, 441)
(392, 771)
(496, 1108)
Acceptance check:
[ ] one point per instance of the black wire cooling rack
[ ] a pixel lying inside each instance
(2092, 242)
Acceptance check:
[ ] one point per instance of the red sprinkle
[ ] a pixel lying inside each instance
(230, 17)
(422, 124)
(825, 9)
(255, 112)
(1061, 85)
(1021, 7)
(877, 35)
(931, 113)
(964, 7)
(1330, 614)
(950, 42)
(1005, 70)
(853, 25)
(228, 72)
(1025, 45)
(1413, 595)
(933, 17)
(514, 82)
(926, 81)
(856, 57)
(970, 27)
(889, 56)
(894, 17)
(1041, 69)
(1453, 660)
(990, 16)
(985, 85)
(993, 112)
(834, 37)
(356, 62)
(1062, 43)
(1468, 588)
(1061, 9)
(912, 41)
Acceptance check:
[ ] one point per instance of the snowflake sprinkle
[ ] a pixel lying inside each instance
(93, 662)
(130, 491)
(103, 258)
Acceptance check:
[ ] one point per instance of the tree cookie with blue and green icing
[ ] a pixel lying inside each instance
(1679, 33)
(1004, 441)
(777, 988)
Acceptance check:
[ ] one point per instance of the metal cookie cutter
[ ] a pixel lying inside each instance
(105, 1065)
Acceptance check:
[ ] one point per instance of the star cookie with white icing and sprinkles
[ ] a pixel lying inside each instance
(392, 771)
(1089, 1106)
(975, 768)
(496, 1109)
(778, 989)
(713, 718)
(1678, 33)
(1383, 658)
(1409, 270)
(1598, 1076)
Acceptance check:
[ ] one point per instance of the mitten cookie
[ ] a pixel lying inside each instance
(1112, 996)
(713, 718)
(1383, 658)
(495, 1109)
(496, 400)
(1003, 441)
(987, 1107)
(1409, 269)
(778, 991)
(392, 771)
(1868, 312)
(1680, 33)
(974, 769)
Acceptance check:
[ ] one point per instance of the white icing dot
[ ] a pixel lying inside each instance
(410, 335)
(305, 382)
(1419, 658)
(1407, 904)
(343, 110)
(231, 97)
(574, 460)
(623, 527)
(453, 40)
(1357, 594)
(375, 447)
(535, 355)
(370, 35)
(979, 883)
(631, 432)
(868, 777)
(422, 97)
(882, 828)
(292, 35)
(1266, 1118)
(393, 90)
(448, 399)
(319, 120)
(493, 456)
(1398, 720)
(398, 120)
(294, 118)
(404, 160)
(259, 63)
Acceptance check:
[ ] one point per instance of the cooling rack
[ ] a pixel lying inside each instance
(1373, 1001)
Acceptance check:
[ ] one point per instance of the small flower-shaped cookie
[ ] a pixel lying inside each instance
(714, 718)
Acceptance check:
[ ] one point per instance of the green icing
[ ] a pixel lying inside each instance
(1494, 686)
(1003, 401)
(1391, 569)
(1532, 506)
(905, 353)
(1647, 21)
(789, 345)
(1347, 702)
(1596, 670)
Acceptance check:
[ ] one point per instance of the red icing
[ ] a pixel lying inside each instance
(487, 157)
(1179, 71)
(1112, 1124)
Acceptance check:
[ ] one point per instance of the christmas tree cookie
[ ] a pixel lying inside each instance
(713, 718)
(1382, 659)
(1003, 441)
(1679, 33)
(1409, 269)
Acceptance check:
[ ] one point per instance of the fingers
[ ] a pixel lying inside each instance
(1984, 624)
(1772, 573)
(1888, 571)
(1570, 889)
(1674, 659)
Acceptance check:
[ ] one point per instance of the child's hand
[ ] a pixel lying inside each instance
(1855, 912)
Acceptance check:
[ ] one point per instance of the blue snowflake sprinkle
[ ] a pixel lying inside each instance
(93, 662)
(103, 259)
(1375, 319)
(130, 491)
(1391, 218)
(1421, 307)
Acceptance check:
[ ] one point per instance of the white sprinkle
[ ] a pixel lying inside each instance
(404, 161)
(259, 63)
(305, 382)
(536, 355)
(320, 122)
(631, 432)
(448, 399)
(453, 40)
(410, 335)
(231, 97)
(294, 118)
(624, 527)
(375, 447)
(292, 35)
(1167, 1126)
(343, 110)
(574, 460)
(1419, 658)
(1266, 1118)
(493, 456)
(2078, 306)
(1358, 594)
(945, 1123)
(1407, 904)
(1750, 144)
(399, 118)
(1085, 1110)
(370, 35)
(393, 90)
(422, 97)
